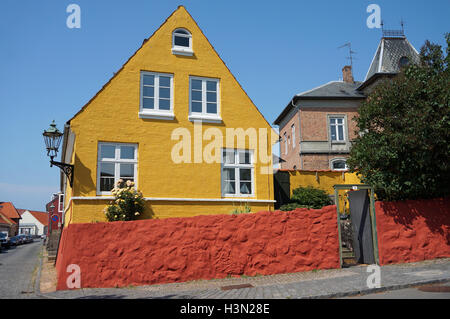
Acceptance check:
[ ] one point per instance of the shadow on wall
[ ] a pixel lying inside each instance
(435, 213)
(148, 212)
(85, 184)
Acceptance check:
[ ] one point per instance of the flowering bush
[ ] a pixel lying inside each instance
(128, 202)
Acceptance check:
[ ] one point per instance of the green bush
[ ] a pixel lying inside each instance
(310, 197)
(128, 203)
(291, 206)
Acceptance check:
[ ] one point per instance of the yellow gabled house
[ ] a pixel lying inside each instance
(175, 121)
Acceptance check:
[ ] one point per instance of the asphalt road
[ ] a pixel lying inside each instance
(17, 265)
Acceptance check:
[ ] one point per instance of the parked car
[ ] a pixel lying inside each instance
(5, 240)
(22, 239)
(15, 241)
(30, 239)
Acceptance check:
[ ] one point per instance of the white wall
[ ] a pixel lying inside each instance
(27, 218)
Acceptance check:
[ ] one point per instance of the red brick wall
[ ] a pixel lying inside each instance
(413, 230)
(202, 247)
(292, 158)
(319, 162)
(315, 126)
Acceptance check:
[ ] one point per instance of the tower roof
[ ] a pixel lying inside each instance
(392, 53)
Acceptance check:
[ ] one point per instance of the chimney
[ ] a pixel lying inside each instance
(347, 74)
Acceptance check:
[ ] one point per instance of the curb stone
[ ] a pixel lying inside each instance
(377, 290)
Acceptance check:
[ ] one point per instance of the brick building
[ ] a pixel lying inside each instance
(317, 127)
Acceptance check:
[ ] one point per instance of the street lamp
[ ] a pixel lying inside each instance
(52, 209)
(52, 139)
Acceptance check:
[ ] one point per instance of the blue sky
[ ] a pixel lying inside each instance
(275, 50)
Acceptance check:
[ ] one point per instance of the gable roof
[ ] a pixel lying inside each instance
(389, 52)
(180, 7)
(41, 217)
(5, 220)
(8, 210)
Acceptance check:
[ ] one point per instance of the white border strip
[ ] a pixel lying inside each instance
(234, 199)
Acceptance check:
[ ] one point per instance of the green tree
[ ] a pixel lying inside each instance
(404, 143)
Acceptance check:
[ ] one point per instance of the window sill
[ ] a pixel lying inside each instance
(158, 115)
(249, 196)
(205, 118)
(182, 51)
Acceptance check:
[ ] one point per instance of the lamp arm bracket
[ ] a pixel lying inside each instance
(66, 168)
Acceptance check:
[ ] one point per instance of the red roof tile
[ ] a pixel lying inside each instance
(8, 210)
(42, 217)
(5, 220)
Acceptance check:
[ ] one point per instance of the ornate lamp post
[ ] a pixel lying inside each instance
(52, 139)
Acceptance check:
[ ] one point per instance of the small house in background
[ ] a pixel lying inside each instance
(317, 126)
(33, 222)
(55, 210)
(10, 216)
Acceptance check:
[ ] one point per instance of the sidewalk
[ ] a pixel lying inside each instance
(314, 284)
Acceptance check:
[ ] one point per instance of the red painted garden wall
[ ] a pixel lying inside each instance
(201, 247)
(413, 230)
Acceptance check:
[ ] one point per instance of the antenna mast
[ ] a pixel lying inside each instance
(350, 52)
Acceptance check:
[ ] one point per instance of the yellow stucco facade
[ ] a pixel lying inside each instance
(171, 189)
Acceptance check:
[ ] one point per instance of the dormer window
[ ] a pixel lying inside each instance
(182, 42)
(404, 61)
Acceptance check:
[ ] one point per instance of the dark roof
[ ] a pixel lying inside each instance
(329, 91)
(386, 62)
(388, 55)
(333, 89)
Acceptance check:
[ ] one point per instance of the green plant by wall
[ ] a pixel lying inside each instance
(241, 210)
(307, 197)
(292, 206)
(128, 202)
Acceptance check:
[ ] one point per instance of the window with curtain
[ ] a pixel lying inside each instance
(115, 161)
(237, 172)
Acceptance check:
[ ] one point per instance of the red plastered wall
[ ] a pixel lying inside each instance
(413, 230)
(202, 247)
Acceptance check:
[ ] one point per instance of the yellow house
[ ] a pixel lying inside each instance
(175, 121)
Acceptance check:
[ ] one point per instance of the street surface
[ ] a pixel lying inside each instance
(17, 266)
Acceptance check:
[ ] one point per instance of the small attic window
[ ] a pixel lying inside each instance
(182, 42)
(404, 61)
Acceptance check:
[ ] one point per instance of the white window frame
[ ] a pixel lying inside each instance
(204, 116)
(60, 203)
(156, 113)
(285, 143)
(236, 167)
(293, 135)
(338, 160)
(117, 161)
(182, 50)
(344, 128)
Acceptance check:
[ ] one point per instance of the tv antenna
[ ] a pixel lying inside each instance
(350, 52)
